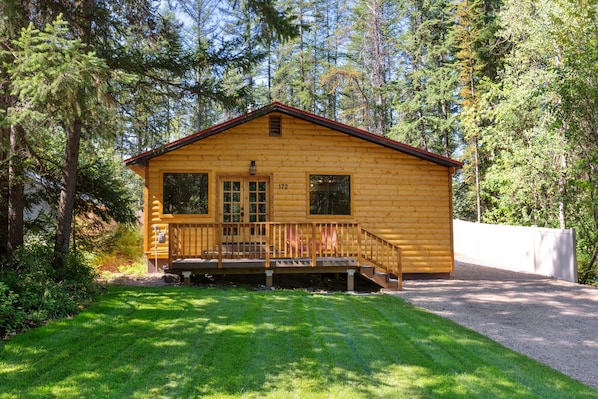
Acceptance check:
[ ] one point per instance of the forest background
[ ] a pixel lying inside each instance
(509, 87)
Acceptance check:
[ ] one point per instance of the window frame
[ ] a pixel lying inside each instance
(351, 195)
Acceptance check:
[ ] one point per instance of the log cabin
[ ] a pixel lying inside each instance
(280, 190)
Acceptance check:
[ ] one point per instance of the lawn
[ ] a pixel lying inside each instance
(183, 342)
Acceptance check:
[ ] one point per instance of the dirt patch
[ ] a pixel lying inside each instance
(311, 282)
(148, 280)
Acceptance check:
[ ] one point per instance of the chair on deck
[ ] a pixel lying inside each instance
(329, 240)
(297, 245)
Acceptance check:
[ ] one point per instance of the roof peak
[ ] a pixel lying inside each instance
(275, 106)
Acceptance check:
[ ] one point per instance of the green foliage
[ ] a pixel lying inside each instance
(118, 249)
(425, 102)
(120, 245)
(12, 315)
(56, 78)
(30, 294)
(127, 241)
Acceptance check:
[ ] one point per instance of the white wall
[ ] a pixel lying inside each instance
(550, 252)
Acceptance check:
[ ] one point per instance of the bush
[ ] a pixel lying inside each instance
(587, 275)
(11, 315)
(122, 248)
(30, 294)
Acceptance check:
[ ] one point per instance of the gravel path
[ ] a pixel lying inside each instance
(552, 321)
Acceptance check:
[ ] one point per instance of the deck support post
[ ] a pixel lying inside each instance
(350, 280)
(269, 274)
(187, 277)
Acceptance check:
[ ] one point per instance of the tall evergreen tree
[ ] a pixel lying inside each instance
(479, 57)
(427, 79)
(56, 79)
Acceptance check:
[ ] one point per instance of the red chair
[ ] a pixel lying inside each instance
(329, 239)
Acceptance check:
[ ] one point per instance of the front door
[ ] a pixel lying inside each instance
(244, 200)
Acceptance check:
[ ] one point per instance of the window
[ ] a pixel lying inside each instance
(329, 195)
(185, 193)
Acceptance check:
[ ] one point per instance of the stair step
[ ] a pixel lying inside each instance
(368, 271)
(384, 280)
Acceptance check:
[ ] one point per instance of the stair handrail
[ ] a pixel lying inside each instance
(381, 253)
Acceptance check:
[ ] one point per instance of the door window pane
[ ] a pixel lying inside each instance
(257, 201)
(232, 210)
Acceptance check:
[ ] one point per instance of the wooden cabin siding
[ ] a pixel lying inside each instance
(400, 197)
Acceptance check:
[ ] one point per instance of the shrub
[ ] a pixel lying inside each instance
(11, 315)
(122, 249)
(30, 293)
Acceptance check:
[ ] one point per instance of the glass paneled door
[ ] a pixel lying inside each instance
(244, 200)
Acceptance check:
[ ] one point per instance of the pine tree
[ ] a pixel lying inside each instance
(427, 79)
(479, 57)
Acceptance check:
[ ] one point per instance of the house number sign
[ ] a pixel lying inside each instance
(283, 186)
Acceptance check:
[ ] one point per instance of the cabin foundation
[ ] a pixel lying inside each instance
(187, 277)
(269, 274)
(350, 280)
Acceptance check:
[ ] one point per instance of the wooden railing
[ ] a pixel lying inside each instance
(381, 253)
(269, 240)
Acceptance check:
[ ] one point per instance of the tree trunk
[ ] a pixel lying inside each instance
(562, 192)
(478, 191)
(67, 198)
(3, 194)
(68, 182)
(16, 190)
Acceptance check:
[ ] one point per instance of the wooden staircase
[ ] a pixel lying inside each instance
(384, 280)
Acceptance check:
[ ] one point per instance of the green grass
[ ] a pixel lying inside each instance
(180, 342)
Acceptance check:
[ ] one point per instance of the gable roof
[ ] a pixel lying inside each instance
(141, 159)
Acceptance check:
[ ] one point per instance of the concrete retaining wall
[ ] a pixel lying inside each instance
(549, 252)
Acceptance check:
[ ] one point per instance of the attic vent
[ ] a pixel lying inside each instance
(275, 125)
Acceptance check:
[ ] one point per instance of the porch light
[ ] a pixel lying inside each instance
(252, 168)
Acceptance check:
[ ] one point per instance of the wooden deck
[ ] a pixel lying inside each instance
(269, 248)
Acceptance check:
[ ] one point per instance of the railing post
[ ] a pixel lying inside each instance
(314, 255)
(170, 245)
(399, 269)
(359, 256)
(218, 238)
(267, 249)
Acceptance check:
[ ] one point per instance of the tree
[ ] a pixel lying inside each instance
(427, 80)
(57, 79)
(575, 35)
(522, 184)
(227, 41)
(12, 160)
(479, 57)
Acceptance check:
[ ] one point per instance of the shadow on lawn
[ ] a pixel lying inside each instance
(189, 342)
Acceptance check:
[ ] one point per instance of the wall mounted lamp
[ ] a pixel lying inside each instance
(252, 168)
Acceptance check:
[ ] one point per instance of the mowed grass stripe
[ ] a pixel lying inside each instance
(434, 368)
(470, 367)
(178, 342)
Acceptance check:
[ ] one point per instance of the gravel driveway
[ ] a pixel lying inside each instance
(552, 321)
